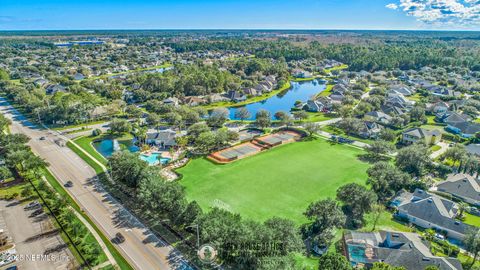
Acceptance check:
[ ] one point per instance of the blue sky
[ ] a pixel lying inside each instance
(239, 14)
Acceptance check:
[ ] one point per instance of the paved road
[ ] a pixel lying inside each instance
(31, 237)
(141, 248)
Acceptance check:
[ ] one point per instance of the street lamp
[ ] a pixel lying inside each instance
(198, 233)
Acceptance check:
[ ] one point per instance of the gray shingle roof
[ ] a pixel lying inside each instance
(394, 248)
(461, 185)
(435, 210)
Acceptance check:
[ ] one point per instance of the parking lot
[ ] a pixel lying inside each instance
(38, 244)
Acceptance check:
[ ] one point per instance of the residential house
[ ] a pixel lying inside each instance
(392, 109)
(462, 186)
(401, 249)
(464, 129)
(430, 211)
(438, 108)
(370, 130)
(415, 135)
(40, 82)
(379, 117)
(78, 77)
(54, 88)
(302, 74)
(236, 96)
(452, 118)
(216, 98)
(250, 91)
(194, 101)
(171, 101)
(473, 149)
(314, 106)
(162, 138)
(401, 89)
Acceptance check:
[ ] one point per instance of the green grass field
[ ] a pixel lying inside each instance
(279, 182)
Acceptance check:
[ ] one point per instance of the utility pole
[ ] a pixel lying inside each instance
(198, 233)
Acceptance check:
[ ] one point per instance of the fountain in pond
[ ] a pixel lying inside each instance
(116, 146)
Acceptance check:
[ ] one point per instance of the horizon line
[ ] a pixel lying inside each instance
(240, 29)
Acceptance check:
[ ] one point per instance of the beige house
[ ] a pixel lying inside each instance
(415, 135)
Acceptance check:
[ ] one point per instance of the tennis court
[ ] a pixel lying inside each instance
(248, 134)
(236, 152)
(278, 138)
(255, 146)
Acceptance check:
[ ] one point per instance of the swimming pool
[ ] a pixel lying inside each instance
(106, 149)
(154, 159)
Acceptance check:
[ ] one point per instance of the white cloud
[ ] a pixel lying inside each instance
(392, 6)
(448, 12)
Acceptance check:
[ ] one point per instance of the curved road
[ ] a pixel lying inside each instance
(142, 249)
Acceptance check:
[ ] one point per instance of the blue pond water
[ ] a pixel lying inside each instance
(284, 101)
(105, 148)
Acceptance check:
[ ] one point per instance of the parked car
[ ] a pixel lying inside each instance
(68, 184)
(32, 205)
(119, 238)
(42, 138)
(36, 212)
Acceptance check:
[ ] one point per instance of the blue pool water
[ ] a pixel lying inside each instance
(284, 101)
(154, 158)
(105, 148)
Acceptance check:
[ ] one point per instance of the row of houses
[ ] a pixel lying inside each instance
(266, 86)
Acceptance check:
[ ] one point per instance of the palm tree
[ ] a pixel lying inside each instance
(462, 207)
(141, 135)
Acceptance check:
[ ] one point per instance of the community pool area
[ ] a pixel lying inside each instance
(154, 158)
(107, 147)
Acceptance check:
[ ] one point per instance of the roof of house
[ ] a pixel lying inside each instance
(433, 209)
(473, 149)
(454, 117)
(394, 248)
(462, 185)
(167, 136)
(379, 114)
(421, 133)
(466, 127)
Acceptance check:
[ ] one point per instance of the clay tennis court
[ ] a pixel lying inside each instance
(253, 147)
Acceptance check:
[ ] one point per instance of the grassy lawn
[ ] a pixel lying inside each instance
(86, 144)
(279, 182)
(385, 222)
(416, 97)
(305, 263)
(316, 117)
(472, 219)
(431, 120)
(435, 148)
(340, 67)
(327, 91)
(98, 169)
(13, 188)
